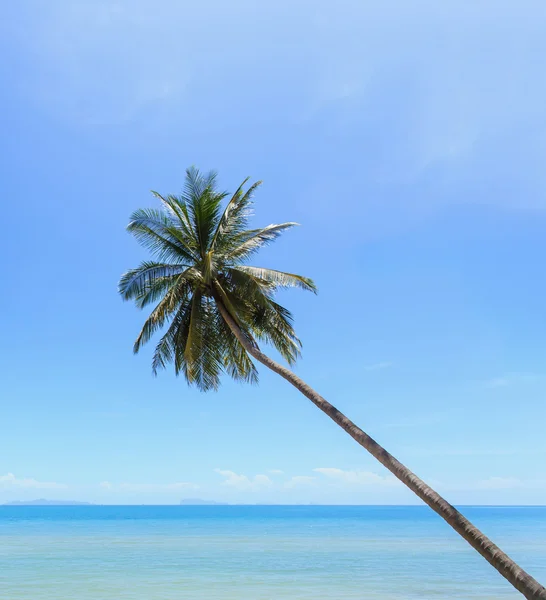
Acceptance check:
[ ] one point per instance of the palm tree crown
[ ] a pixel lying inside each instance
(201, 253)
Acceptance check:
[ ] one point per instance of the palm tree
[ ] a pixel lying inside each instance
(218, 308)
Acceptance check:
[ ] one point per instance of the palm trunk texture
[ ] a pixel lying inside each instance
(520, 579)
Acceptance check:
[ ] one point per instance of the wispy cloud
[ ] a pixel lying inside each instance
(440, 125)
(10, 482)
(115, 61)
(243, 482)
(276, 472)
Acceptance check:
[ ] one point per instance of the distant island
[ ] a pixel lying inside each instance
(201, 502)
(43, 502)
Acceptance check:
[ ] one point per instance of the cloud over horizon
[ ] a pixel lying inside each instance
(328, 485)
(10, 482)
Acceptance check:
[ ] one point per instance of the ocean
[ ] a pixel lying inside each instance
(258, 552)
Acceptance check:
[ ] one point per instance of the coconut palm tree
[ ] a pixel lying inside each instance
(217, 308)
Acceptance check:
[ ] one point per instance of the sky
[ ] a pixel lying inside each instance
(407, 138)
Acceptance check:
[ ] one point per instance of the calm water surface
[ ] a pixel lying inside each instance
(258, 552)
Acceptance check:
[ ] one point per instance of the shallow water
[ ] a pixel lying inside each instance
(258, 552)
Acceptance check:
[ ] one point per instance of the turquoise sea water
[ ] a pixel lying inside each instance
(258, 552)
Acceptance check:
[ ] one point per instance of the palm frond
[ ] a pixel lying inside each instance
(203, 356)
(237, 362)
(242, 285)
(157, 232)
(177, 209)
(235, 217)
(194, 341)
(175, 299)
(259, 315)
(203, 202)
(169, 346)
(236, 304)
(185, 282)
(273, 324)
(279, 279)
(136, 283)
(247, 243)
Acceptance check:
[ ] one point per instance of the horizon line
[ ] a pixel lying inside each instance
(85, 504)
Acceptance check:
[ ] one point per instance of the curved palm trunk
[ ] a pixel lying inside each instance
(521, 580)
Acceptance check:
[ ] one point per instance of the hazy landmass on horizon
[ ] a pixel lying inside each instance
(44, 502)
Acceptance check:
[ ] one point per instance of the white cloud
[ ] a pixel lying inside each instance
(276, 472)
(9, 481)
(148, 487)
(357, 477)
(243, 482)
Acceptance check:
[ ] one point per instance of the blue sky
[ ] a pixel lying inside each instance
(408, 139)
